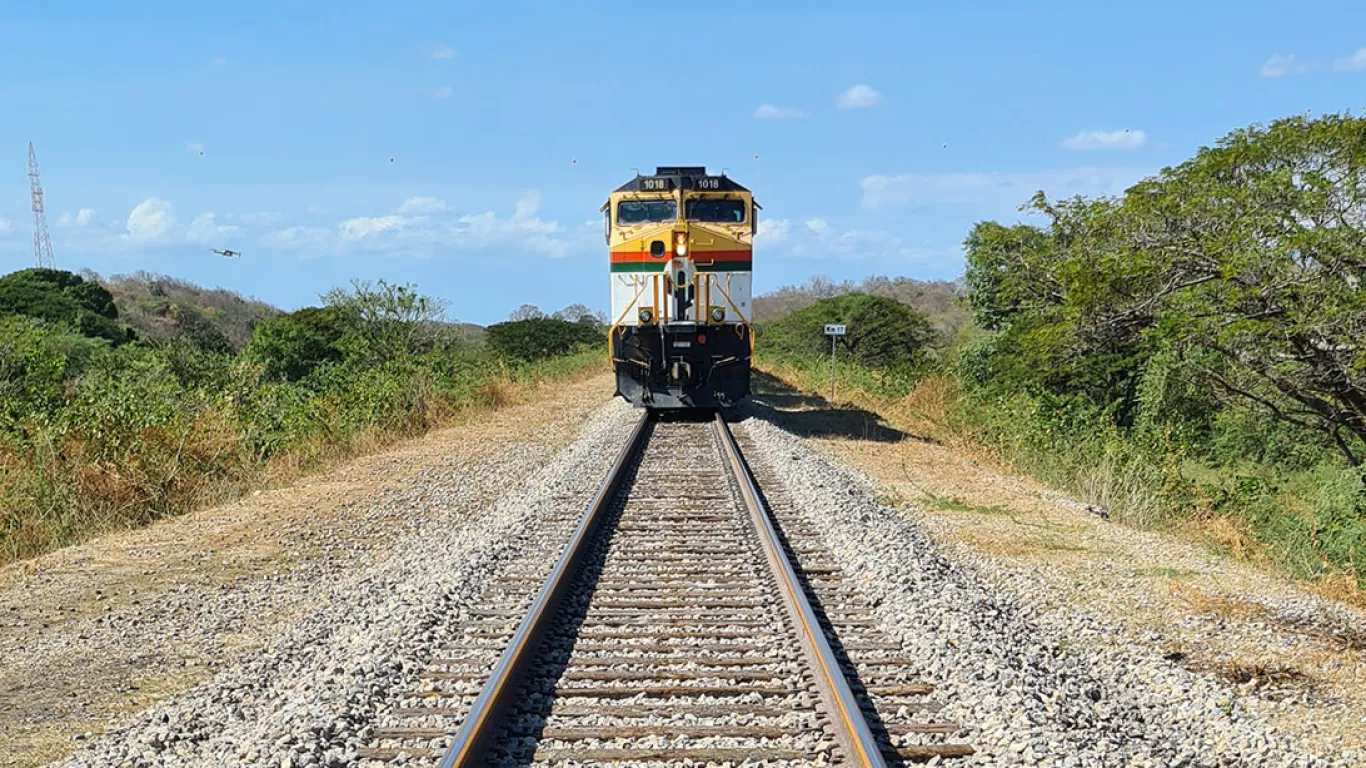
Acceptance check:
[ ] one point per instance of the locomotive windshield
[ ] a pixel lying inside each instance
(638, 211)
(727, 211)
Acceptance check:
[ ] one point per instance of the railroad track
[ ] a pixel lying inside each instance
(689, 620)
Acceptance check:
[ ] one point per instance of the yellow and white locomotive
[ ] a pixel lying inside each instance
(681, 244)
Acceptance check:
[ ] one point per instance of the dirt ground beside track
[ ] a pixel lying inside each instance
(112, 625)
(1280, 648)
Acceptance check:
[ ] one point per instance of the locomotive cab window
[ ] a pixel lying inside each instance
(723, 211)
(640, 211)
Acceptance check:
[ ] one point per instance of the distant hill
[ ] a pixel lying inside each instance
(161, 307)
(938, 299)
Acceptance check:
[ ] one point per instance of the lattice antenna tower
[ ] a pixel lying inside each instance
(42, 243)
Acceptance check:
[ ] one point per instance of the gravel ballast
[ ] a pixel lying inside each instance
(309, 695)
(1031, 686)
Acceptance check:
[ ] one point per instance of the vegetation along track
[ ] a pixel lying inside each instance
(684, 623)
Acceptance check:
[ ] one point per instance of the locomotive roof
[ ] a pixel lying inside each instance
(681, 177)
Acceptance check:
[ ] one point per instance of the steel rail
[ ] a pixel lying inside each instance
(486, 714)
(854, 734)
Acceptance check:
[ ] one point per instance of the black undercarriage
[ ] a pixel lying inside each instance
(681, 365)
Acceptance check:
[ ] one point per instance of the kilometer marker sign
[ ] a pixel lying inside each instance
(834, 331)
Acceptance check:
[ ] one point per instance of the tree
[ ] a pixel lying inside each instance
(882, 333)
(194, 328)
(538, 338)
(581, 314)
(384, 321)
(1246, 262)
(526, 312)
(289, 347)
(56, 296)
(938, 299)
(37, 360)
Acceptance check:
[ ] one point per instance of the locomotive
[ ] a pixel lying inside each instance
(680, 244)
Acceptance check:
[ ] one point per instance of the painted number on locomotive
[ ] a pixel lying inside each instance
(708, 182)
(654, 185)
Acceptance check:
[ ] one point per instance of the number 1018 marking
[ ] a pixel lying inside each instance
(708, 183)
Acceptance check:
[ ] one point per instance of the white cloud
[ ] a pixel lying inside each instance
(771, 112)
(1354, 63)
(419, 206)
(4, 226)
(858, 97)
(995, 191)
(443, 52)
(444, 92)
(83, 218)
(817, 239)
(772, 232)
(527, 206)
(365, 226)
(1282, 64)
(194, 148)
(297, 238)
(206, 229)
(1121, 139)
(426, 226)
(150, 220)
(219, 61)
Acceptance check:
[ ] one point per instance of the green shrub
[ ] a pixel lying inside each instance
(886, 349)
(61, 297)
(540, 338)
(289, 347)
(882, 333)
(36, 362)
(95, 436)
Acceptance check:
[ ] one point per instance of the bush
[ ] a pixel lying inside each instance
(63, 298)
(289, 347)
(539, 338)
(36, 361)
(882, 333)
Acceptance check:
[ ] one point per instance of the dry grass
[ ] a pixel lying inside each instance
(1111, 485)
(1339, 636)
(497, 394)
(74, 489)
(1224, 533)
(323, 524)
(1341, 586)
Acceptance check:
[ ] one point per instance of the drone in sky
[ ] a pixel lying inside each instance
(227, 253)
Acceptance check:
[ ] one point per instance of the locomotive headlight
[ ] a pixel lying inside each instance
(681, 243)
(646, 315)
(718, 314)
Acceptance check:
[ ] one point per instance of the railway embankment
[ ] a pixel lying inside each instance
(282, 630)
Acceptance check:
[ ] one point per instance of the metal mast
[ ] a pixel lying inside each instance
(42, 243)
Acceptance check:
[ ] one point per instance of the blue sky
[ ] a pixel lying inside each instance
(874, 134)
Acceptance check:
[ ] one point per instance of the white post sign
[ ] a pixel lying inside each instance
(834, 331)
